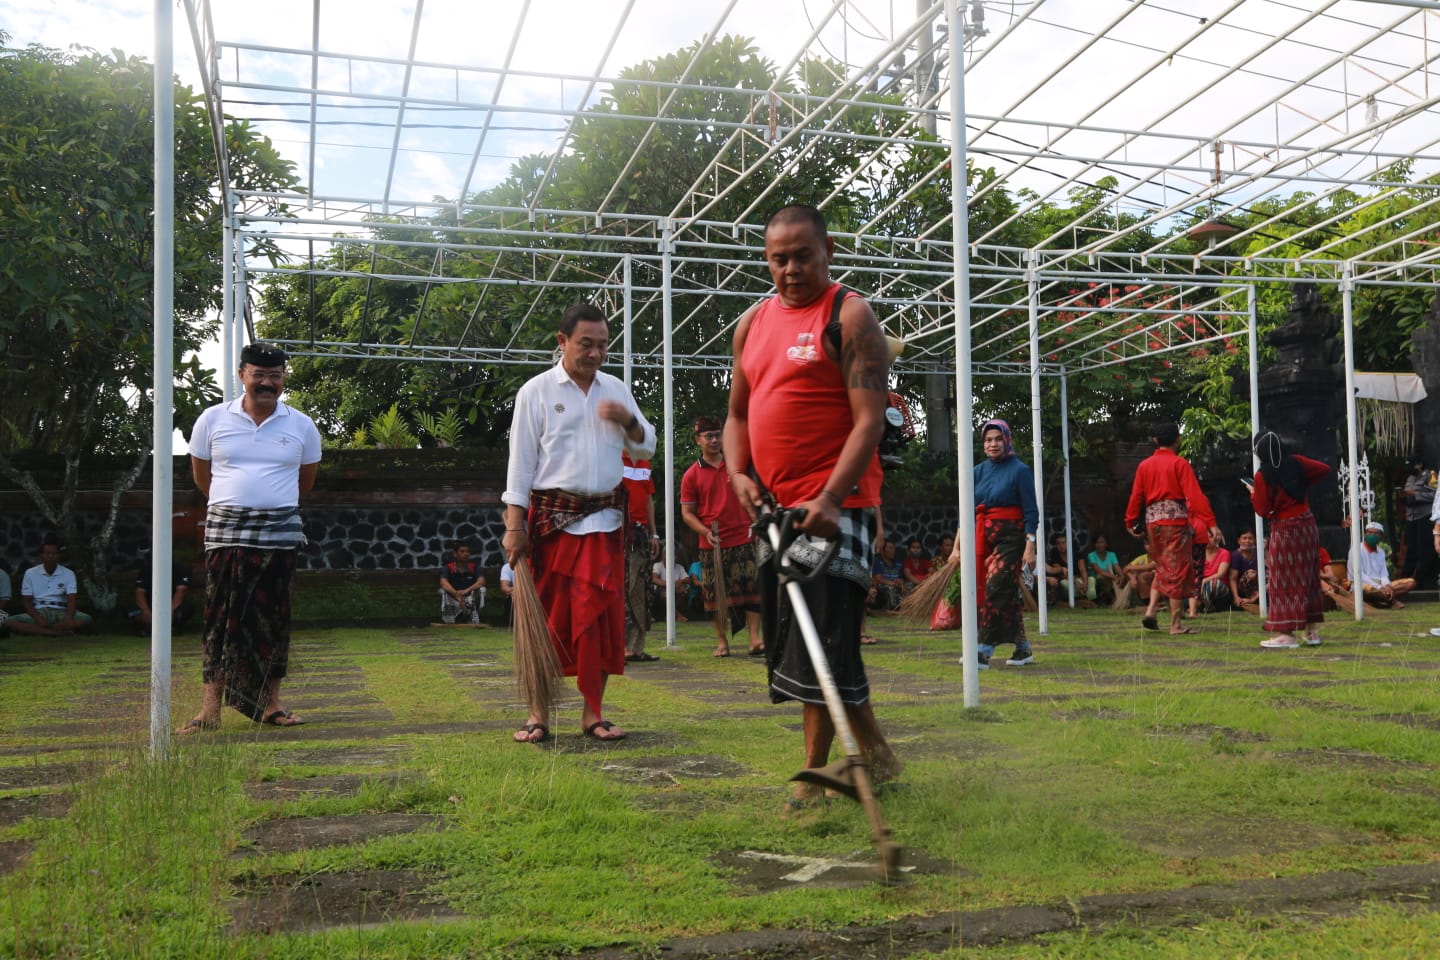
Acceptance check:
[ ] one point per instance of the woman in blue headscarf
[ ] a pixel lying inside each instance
(1006, 519)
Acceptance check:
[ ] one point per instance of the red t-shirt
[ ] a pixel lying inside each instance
(707, 488)
(799, 407)
(1279, 505)
(639, 489)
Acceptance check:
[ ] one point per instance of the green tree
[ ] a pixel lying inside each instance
(76, 201)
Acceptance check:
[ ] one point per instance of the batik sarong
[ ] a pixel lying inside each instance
(637, 589)
(999, 548)
(1293, 575)
(1170, 552)
(836, 601)
(742, 592)
(247, 623)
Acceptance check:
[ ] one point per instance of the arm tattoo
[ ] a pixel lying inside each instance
(865, 359)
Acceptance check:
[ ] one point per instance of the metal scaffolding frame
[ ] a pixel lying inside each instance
(1142, 119)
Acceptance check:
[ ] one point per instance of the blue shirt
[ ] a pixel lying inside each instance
(1008, 483)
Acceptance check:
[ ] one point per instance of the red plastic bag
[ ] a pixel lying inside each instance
(945, 617)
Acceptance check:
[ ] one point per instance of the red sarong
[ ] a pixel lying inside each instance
(581, 582)
(1170, 552)
(984, 561)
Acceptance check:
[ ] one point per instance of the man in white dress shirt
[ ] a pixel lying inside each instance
(563, 510)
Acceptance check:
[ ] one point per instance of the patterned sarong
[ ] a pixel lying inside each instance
(637, 587)
(741, 589)
(247, 623)
(999, 546)
(836, 601)
(1293, 575)
(1170, 552)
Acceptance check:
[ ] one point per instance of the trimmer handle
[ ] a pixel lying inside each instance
(780, 528)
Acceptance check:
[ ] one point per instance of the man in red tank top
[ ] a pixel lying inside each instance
(807, 411)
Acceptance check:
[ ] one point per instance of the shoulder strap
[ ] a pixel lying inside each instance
(832, 329)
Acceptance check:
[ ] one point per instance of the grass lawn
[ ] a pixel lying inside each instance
(1122, 769)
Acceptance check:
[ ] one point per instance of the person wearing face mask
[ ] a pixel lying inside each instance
(1375, 580)
(1293, 577)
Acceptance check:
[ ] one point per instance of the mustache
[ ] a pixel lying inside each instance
(270, 390)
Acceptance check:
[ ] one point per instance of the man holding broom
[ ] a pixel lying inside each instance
(807, 411)
(727, 552)
(564, 508)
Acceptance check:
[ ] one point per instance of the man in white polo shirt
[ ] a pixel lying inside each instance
(252, 457)
(48, 595)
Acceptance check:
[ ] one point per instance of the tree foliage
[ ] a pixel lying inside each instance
(76, 178)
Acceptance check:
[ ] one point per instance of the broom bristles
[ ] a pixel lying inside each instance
(538, 673)
(1027, 599)
(1122, 597)
(722, 595)
(921, 603)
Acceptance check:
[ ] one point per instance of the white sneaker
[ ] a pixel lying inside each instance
(1283, 642)
(1435, 631)
(1312, 639)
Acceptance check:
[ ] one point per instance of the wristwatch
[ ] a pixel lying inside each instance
(1030, 537)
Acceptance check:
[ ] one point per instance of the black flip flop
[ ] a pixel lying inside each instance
(1150, 623)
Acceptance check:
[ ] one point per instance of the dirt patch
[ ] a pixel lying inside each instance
(378, 755)
(34, 806)
(1231, 837)
(336, 785)
(13, 854)
(758, 871)
(1209, 733)
(44, 775)
(1335, 894)
(294, 903)
(662, 771)
(309, 833)
(1093, 713)
(1421, 720)
(1349, 758)
(81, 729)
(296, 690)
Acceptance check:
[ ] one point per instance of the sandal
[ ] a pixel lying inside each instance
(282, 718)
(1149, 623)
(606, 726)
(199, 725)
(868, 640)
(721, 652)
(641, 658)
(526, 734)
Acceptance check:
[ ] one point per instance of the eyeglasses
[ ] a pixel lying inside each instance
(709, 435)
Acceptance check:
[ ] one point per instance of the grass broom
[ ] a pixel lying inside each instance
(1122, 596)
(538, 673)
(722, 594)
(922, 601)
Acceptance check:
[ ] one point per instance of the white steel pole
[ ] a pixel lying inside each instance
(227, 302)
(162, 465)
(667, 249)
(1032, 281)
(629, 317)
(1254, 339)
(1065, 461)
(1352, 441)
(964, 396)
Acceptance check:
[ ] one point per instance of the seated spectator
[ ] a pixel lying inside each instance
(887, 578)
(1105, 571)
(942, 556)
(48, 595)
(1375, 582)
(1055, 567)
(695, 595)
(181, 610)
(915, 566)
(1215, 578)
(679, 581)
(1140, 575)
(507, 591)
(462, 586)
(4, 594)
(1245, 573)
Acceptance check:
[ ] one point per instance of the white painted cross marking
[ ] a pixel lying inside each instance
(811, 868)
